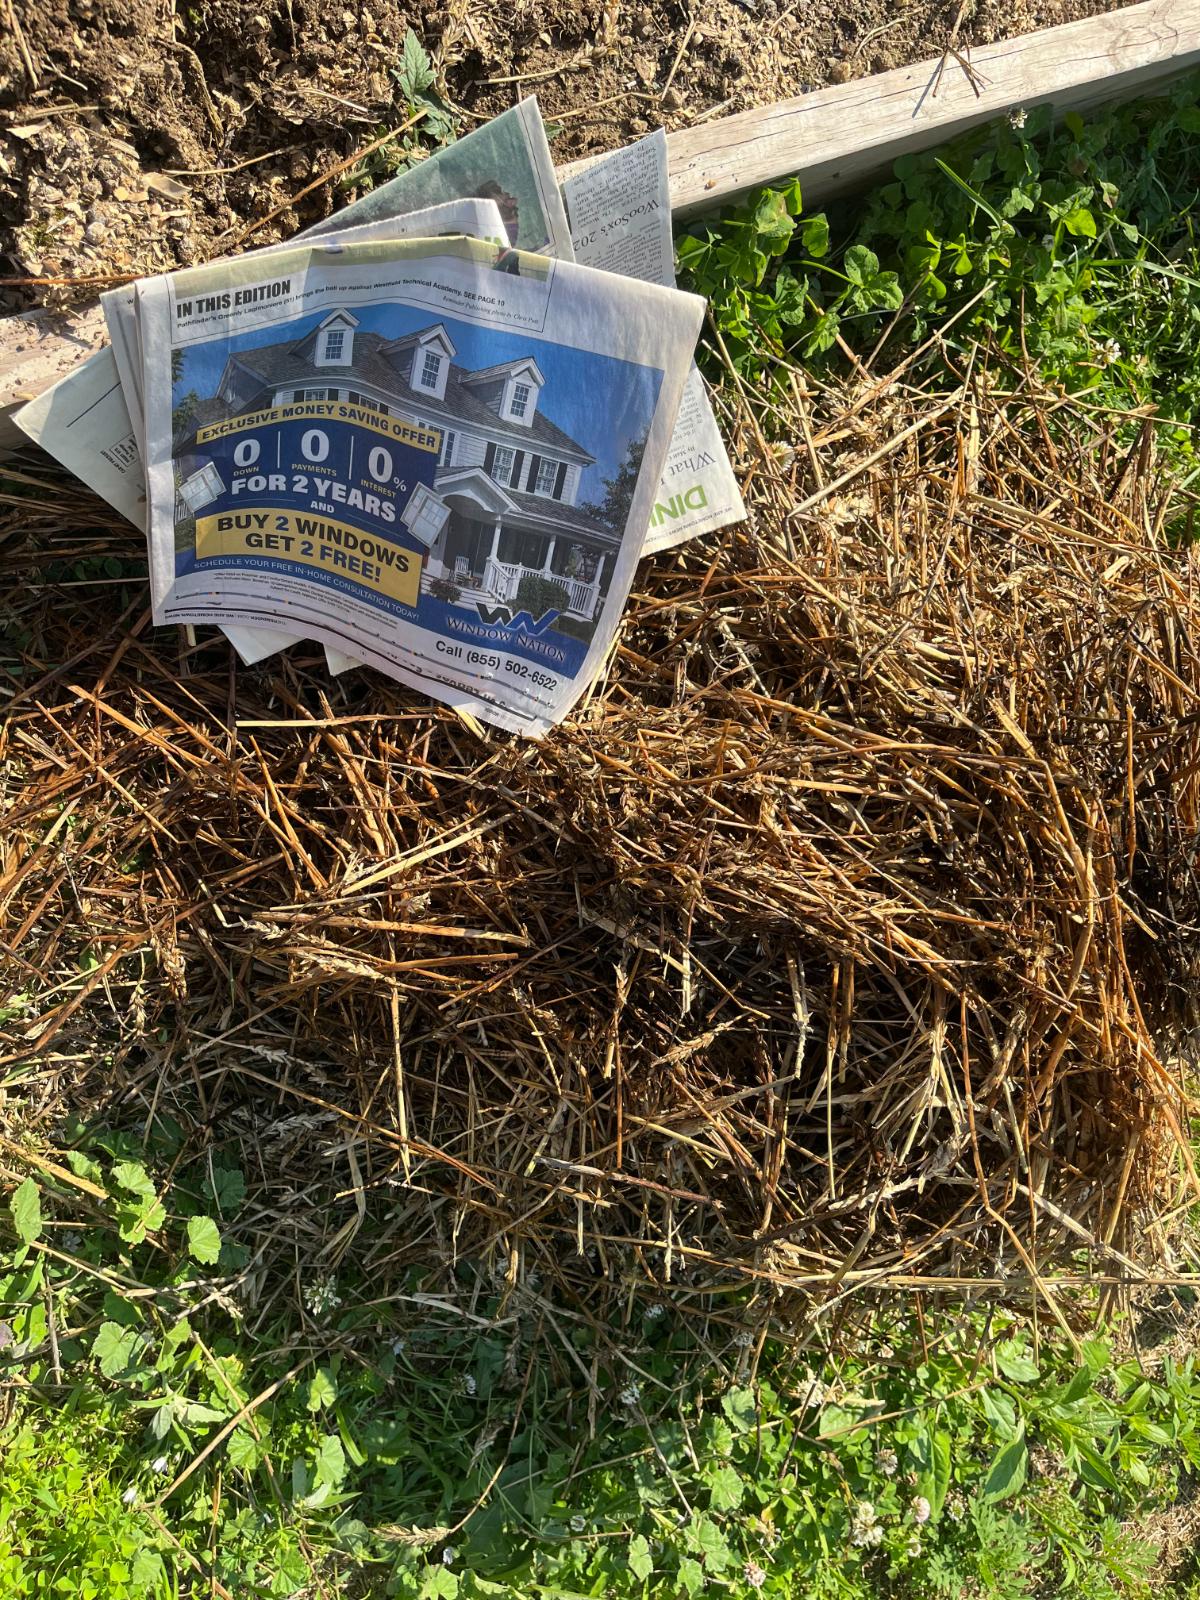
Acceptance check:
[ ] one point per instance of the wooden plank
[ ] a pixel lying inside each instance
(833, 139)
(837, 138)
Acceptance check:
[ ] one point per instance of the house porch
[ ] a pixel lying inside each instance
(487, 558)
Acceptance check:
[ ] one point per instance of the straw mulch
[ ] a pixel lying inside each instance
(844, 939)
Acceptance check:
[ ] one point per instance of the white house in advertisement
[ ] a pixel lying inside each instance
(507, 474)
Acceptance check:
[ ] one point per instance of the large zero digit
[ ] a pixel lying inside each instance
(314, 445)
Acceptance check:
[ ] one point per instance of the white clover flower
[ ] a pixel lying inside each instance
(888, 1463)
(865, 1528)
(1017, 118)
(399, 1346)
(469, 1385)
(743, 1339)
(129, 1498)
(654, 1312)
(159, 1464)
(1047, 241)
(913, 1547)
(921, 1509)
(321, 1295)
(448, 1555)
(578, 1522)
(629, 1395)
(754, 1575)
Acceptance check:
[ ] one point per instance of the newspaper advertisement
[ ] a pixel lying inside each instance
(478, 218)
(439, 455)
(93, 422)
(85, 421)
(619, 209)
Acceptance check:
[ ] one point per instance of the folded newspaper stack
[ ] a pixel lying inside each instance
(435, 433)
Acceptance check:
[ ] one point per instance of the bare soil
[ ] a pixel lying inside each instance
(142, 134)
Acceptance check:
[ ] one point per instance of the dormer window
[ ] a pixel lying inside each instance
(519, 388)
(431, 368)
(334, 345)
(423, 360)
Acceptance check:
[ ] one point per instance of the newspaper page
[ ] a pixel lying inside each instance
(507, 160)
(92, 421)
(478, 218)
(619, 208)
(82, 421)
(438, 455)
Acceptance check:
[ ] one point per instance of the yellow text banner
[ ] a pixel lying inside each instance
(409, 433)
(320, 542)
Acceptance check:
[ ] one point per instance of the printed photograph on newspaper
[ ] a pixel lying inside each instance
(443, 476)
(485, 482)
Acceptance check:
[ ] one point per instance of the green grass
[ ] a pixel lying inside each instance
(460, 1436)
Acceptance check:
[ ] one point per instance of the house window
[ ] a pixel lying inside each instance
(202, 488)
(335, 338)
(521, 549)
(547, 474)
(314, 394)
(356, 399)
(520, 400)
(430, 367)
(447, 455)
(502, 464)
(364, 400)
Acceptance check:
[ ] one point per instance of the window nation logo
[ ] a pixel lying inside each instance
(516, 622)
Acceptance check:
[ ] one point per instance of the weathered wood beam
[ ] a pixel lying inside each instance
(839, 137)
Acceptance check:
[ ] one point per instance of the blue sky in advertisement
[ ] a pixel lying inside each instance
(600, 401)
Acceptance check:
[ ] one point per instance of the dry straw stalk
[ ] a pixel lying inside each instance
(845, 940)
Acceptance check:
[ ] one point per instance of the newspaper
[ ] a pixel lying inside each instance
(85, 423)
(619, 208)
(92, 421)
(507, 160)
(478, 218)
(439, 455)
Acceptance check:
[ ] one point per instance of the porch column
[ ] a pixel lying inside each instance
(547, 564)
(494, 553)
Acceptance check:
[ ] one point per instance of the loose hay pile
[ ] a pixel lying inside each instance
(847, 938)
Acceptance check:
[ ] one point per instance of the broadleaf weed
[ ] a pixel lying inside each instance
(431, 1454)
